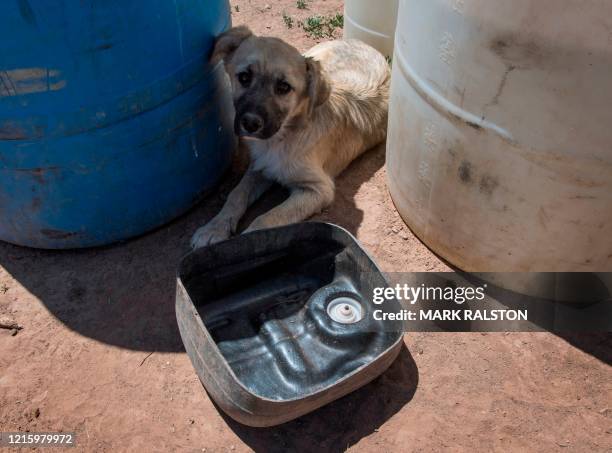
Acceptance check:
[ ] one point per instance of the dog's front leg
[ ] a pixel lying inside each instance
(301, 204)
(252, 186)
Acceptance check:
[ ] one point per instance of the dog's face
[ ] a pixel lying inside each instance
(274, 86)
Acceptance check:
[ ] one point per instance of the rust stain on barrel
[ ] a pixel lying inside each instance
(38, 173)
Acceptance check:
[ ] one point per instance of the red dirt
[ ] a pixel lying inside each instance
(100, 352)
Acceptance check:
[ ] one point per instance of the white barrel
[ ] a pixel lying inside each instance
(373, 22)
(499, 150)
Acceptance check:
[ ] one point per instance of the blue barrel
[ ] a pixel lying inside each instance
(112, 122)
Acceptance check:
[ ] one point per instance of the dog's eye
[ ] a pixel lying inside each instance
(283, 87)
(245, 78)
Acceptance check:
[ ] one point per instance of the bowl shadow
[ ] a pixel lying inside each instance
(342, 423)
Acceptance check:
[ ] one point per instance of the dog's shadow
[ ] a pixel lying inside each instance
(123, 295)
(343, 423)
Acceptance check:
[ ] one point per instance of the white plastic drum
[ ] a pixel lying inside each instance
(373, 22)
(500, 136)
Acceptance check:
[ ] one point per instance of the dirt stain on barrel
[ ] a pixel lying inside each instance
(501, 86)
(39, 174)
(11, 131)
(36, 204)
(520, 52)
(461, 120)
(57, 234)
(465, 172)
(488, 184)
(26, 11)
(102, 47)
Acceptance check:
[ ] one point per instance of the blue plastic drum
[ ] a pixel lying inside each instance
(112, 122)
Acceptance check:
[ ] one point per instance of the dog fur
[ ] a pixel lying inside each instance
(335, 109)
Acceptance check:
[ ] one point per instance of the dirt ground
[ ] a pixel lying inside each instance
(100, 353)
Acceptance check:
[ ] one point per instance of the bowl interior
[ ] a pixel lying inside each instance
(267, 311)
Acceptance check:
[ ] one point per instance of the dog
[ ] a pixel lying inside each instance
(303, 118)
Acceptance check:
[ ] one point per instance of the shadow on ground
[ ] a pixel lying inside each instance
(123, 295)
(343, 423)
(598, 345)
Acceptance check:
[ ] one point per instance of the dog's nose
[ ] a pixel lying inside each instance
(251, 123)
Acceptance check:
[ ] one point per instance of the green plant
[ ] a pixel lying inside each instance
(313, 26)
(321, 26)
(288, 20)
(336, 21)
(301, 4)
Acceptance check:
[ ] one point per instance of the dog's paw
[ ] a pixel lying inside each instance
(209, 234)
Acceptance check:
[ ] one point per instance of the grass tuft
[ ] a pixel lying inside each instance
(323, 26)
(336, 21)
(288, 20)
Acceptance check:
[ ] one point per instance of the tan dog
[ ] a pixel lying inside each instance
(304, 118)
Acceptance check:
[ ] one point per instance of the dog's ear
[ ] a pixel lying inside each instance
(227, 43)
(318, 88)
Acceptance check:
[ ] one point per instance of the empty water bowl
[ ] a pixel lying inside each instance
(279, 322)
